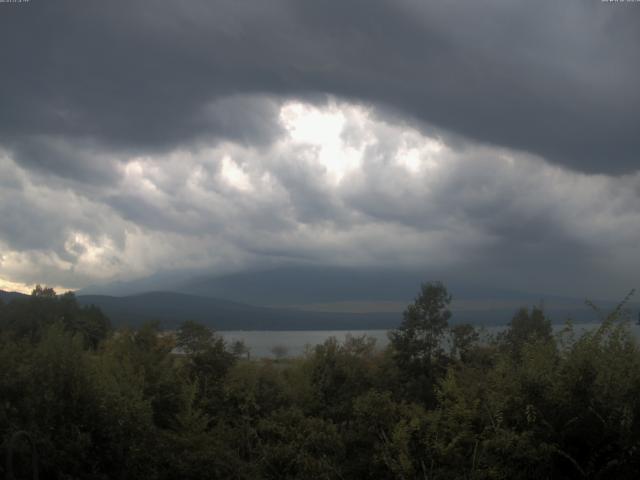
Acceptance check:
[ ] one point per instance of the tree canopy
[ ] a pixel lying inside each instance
(439, 402)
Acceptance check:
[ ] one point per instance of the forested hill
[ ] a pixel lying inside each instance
(8, 296)
(439, 401)
(173, 308)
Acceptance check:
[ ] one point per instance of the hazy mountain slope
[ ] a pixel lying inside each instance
(8, 296)
(173, 308)
(306, 285)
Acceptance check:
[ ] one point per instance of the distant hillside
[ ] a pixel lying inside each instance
(331, 288)
(173, 308)
(8, 296)
(302, 285)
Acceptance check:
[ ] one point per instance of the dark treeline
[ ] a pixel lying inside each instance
(439, 402)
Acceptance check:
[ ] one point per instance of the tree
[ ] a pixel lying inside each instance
(43, 292)
(419, 337)
(280, 351)
(341, 371)
(417, 343)
(463, 337)
(28, 317)
(193, 337)
(526, 327)
(240, 349)
(295, 445)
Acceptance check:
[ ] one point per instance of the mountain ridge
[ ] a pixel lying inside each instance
(171, 308)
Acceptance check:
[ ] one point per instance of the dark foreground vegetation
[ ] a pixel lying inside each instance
(440, 402)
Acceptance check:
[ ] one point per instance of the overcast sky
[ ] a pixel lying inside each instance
(496, 141)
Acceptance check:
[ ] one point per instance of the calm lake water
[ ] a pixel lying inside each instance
(295, 342)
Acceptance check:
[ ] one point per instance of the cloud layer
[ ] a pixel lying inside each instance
(338, 185)
(558, 81)
(495, 141)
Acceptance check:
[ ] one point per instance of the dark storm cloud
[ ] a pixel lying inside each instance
(558, 79)
(484, 214)
(434, 137)
(35, 217)
(76, 159)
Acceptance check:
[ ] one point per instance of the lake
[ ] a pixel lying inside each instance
(295, 342)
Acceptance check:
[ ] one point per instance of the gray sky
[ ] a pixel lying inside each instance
(492, 141)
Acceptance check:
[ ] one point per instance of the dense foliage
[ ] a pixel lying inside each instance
(440, 402)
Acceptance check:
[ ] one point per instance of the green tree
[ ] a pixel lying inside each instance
(207, 362)
(296, 446)
(526, 327)
(417, 343)
(193, 337)
(340, 372)
(28, 317)
(385, 438)
(463, 338)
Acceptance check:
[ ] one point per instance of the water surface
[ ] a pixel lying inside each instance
(262, 343)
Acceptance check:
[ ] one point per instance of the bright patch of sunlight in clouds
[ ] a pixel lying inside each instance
(338, 181)
(8, 286)
(91, 253)
(419, 152)
(323, 128)
(234, 175)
